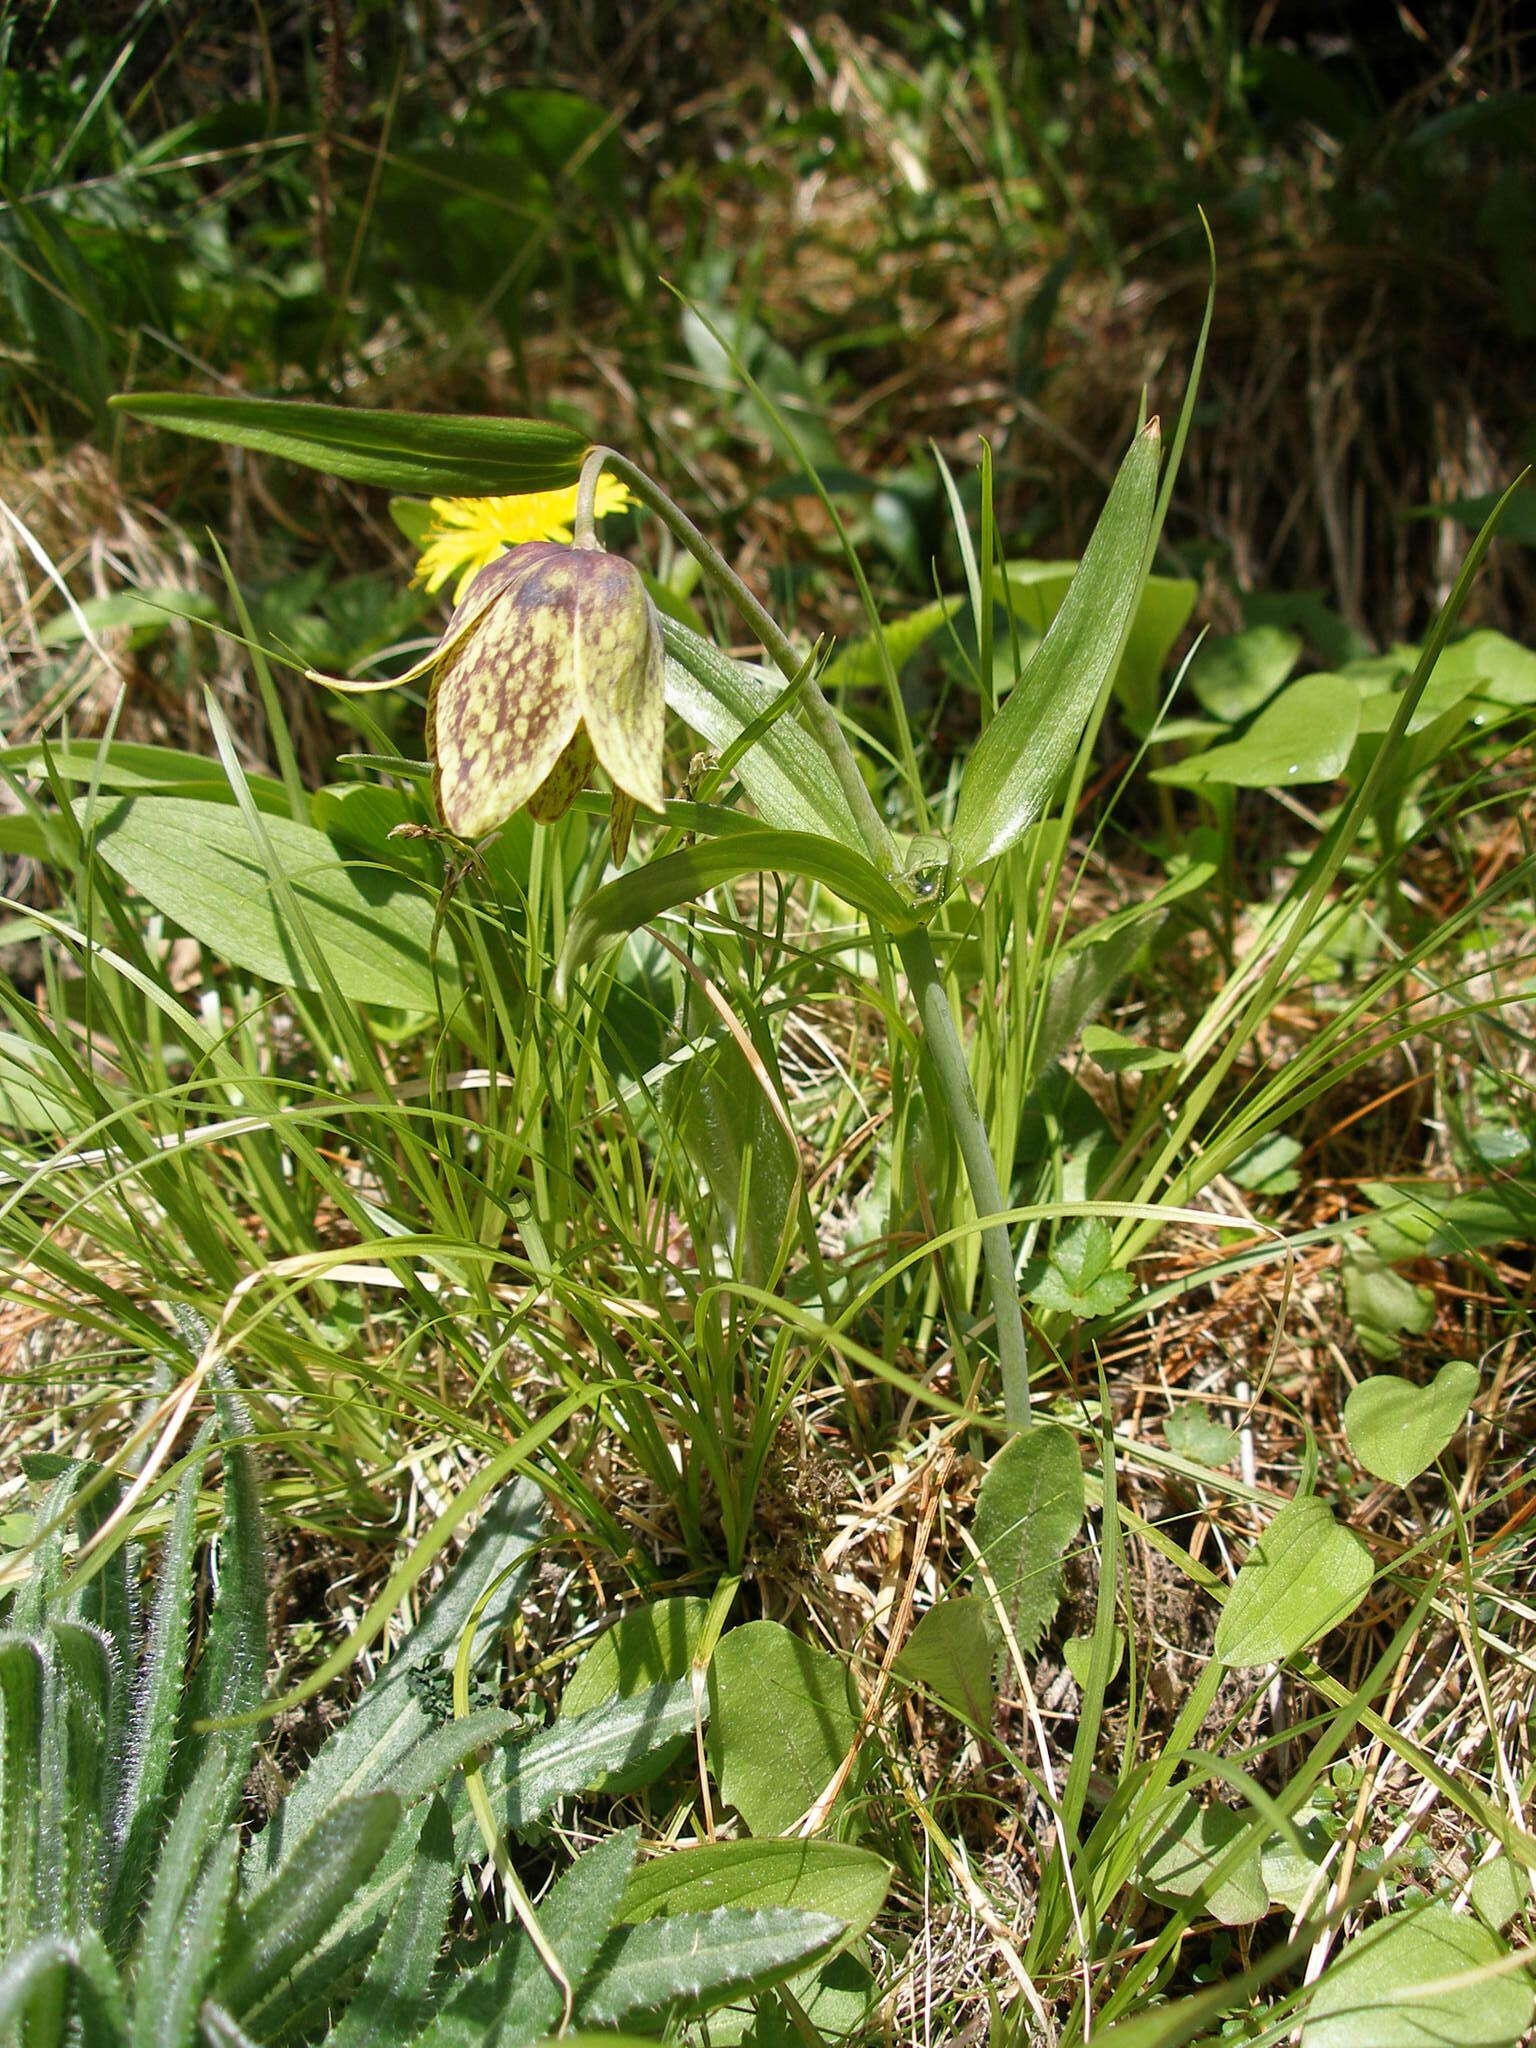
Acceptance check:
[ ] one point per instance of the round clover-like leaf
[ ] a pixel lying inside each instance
(1397, 1430)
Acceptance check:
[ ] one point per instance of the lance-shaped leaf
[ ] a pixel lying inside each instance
(634, 899)
(1021, 755)
(433, 454)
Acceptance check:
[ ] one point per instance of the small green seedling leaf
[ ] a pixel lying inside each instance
(1077, 1655)
(1383, 1306)
(1081, 1278)
(1379, 1993)
(1194, 1432)
(1267, 1168)
(1184, 1862)
(1302, 1577)
(780, 1724)
(951, 1651)
(1028, 1511)
(1397, 1430)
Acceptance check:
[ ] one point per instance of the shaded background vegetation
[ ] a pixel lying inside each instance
(922, 224)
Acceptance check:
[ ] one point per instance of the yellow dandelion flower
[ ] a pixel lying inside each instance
(467, 534)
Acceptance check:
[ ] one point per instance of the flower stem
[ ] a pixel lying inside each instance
(917, 956)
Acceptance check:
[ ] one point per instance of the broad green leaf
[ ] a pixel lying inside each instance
(198, 864)
(784, 771)
(1194, 1432)
(1303, 1577)
(817, 1876)
(780, 1724)
(1375, 1994)
(1234, 675)
(438, 454)
(1267, 1168)
(690, 1959)
(724, 1117)
(651, 1644)
(1382, 1304)
(35, 1093)
(1428, 1219)
(1020, 757)
(1503, 669)
(1303, 735)
(951, 1651)
(622, 906)
(1084, 979)
(1291, 1867)
(1500, 1889)
(1184, 1862)
(1397, 1430)
(1028, 1511)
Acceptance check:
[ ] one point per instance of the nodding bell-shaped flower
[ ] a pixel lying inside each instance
(552, 660)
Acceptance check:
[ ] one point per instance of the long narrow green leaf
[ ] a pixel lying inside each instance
(784, 771)
(21, 1736)
(158, 1685)
(194, 1877)
(634, 899)
(59, 1992)
(379, 1736)
(439, 454)
(389, 2004)
(1009, 778)
(281, 1927)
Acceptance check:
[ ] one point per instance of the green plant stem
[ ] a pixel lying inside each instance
(954, 1076)
(917, 956)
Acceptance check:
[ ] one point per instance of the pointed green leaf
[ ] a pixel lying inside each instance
(651, 1645)
(1020, 757)
(622, 906)
(952, 1651)
(817, 1876)
(436, 454)
(692, 1959)
(391, 2002)
(1303, 735)
(1193, 1858)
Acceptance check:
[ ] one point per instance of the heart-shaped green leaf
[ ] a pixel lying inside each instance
(1304, 735)
(1397, 1430)
(1302, 1577)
